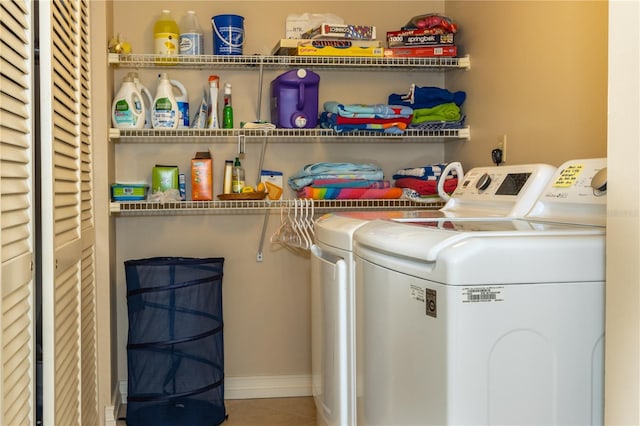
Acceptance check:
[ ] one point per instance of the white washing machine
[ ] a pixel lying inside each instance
(475, 322)
(494, 192)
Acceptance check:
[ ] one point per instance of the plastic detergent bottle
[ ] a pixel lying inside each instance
(227, 110)
(166, 35)
(164, 114)
(191, 35)
(237, 177)
(127, 110)
(147, 99)
(183, 105)
(214, 82)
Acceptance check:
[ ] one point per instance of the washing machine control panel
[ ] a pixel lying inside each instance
(505, 191)
(488, 182)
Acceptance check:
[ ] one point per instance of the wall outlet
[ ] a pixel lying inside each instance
(502, 145)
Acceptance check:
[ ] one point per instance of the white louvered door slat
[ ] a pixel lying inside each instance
(89, 356)
(70, 377)
(17, 360)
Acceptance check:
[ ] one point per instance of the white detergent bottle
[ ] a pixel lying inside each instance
(147, 99)
(183, 105)
(127, 110)
(214, 85)
(165, 112)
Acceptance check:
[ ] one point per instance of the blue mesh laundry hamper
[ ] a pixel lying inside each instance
(175, 354)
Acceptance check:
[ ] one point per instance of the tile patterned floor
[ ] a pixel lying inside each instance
(268, 412)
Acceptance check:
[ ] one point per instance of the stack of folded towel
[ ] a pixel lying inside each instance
(432, 107)
(424, 180)
(340, 181)
(392, 119)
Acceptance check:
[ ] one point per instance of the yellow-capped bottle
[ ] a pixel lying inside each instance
(166, 36)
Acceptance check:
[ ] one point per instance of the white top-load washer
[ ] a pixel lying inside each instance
(485, 192)
(475, 322)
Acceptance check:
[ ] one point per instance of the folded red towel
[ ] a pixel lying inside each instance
(426, 187)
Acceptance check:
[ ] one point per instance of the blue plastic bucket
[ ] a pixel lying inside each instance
(228, 34)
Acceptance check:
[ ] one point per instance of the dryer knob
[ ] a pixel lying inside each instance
(483, 182)
(599, 181)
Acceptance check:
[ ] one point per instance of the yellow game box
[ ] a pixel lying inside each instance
(319, 50)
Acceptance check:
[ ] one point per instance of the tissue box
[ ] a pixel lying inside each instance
(202, 177)
(273, 182)
(164, 178)
(129, 191)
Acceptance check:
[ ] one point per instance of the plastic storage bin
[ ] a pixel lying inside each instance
(294, 99)
(175, 354)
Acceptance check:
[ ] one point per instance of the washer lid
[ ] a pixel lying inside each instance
(477, 251)
(336, 229)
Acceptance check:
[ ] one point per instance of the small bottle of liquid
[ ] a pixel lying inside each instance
(212, 122)
(228, 175)
(237, 177)
(227, 111)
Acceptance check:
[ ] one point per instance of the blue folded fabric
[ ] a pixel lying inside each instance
(427, 97)
(368, 111)
(311, 172)
(432, 172)
(327, 120)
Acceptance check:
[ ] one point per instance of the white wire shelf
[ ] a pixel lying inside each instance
(144, 208)
(280, 135)
(279, 62)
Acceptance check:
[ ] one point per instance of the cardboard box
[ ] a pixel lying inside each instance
(350, 31)
(421, 51)
(202, 177)
(402, 39)
(129, 191)
(164, 178)
(274, 183)
(289, 46)
(353, 51)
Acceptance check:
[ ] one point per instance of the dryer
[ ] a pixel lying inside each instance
(491, 192)
(482, 322)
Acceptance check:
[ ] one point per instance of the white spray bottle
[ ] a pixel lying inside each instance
(127, 110)
(147, 99)
(165, 112)
(183, 105)
(214, 85)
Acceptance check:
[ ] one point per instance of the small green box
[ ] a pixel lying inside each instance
(164, 178)
(129, 191)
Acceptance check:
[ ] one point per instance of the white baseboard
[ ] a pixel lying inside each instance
(267, 387)
(251, 387)
(109, 416)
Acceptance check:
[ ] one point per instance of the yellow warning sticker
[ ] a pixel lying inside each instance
(568, 176)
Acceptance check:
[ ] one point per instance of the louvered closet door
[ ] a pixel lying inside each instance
(69, 329)
(17, 381)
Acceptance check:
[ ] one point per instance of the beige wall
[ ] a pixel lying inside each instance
(266, 305)
(538, 74)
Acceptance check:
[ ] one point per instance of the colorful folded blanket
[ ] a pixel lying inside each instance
(395, 128)
(309, 173)
(427, 97)
(338, 119)
(349, 193)
(426, 187)
(350, 183)
(368, 111)
(432, 172)
(329, 120)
